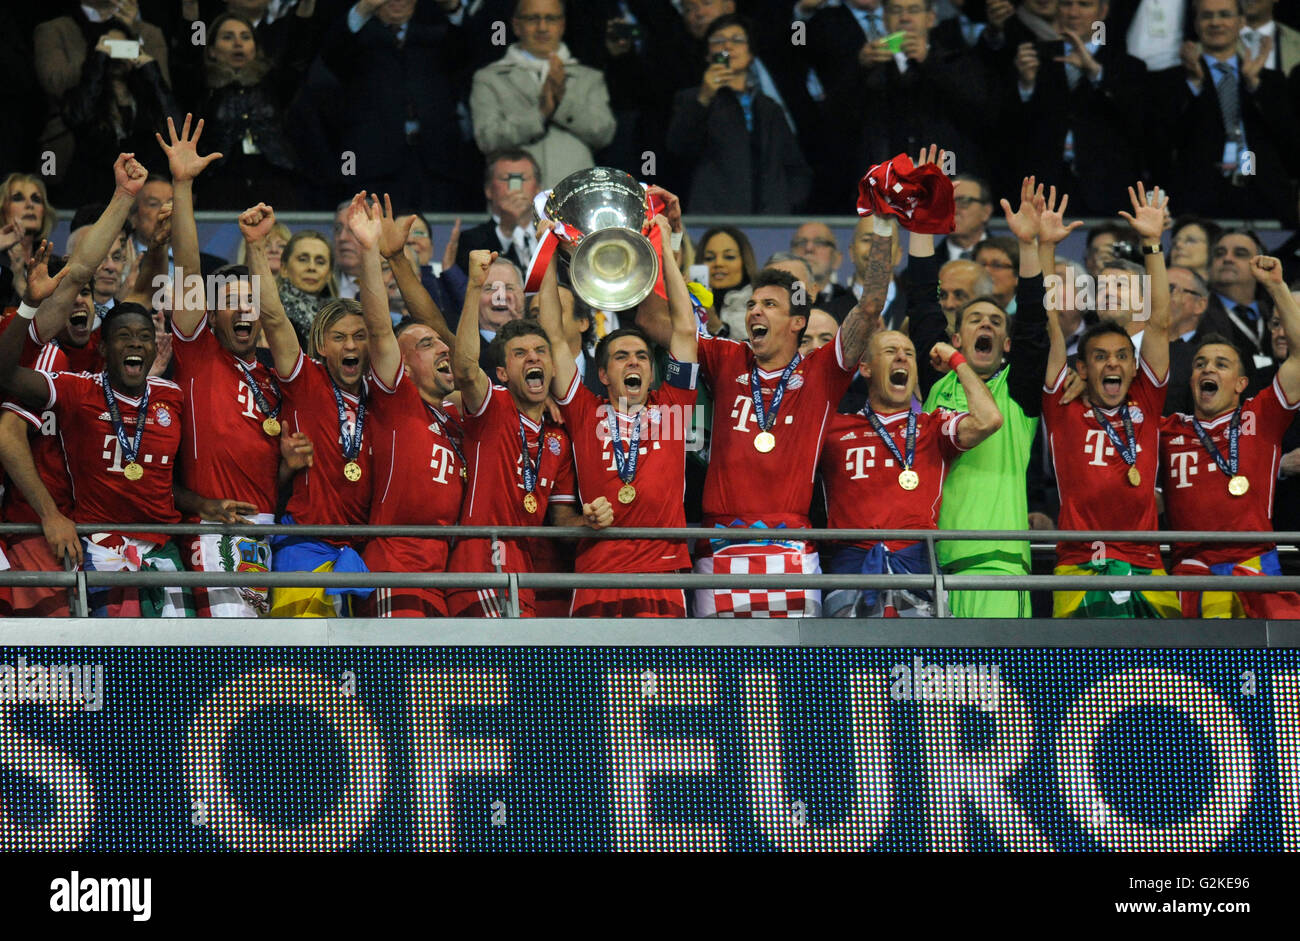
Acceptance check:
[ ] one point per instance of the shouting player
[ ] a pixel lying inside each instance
(884, 467)
(419, 465)
(520, 464)
(1104, 450)
(629, 448)
(232, 401)
(327, 398)
(1220, 463)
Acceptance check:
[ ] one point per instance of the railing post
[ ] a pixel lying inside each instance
(940, 596)
(514, 595)
(83, 598)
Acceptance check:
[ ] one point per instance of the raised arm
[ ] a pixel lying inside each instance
(255, 225)
(364, 219)
(16, 455)
(551, 317)
(28, 386)
(151, 273)
(471, 381)
(864, 319)
(1052, 230)
(92, 247)
(983, 418)
(1268, 272)
(392, 246)
(1148, 220)
(185, 164)
(684, 346)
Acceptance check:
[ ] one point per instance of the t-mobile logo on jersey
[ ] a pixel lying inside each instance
(1183, 466)
(743, 411)
(443, 464)
(113, 454)
(859, 459)
(1099, 446)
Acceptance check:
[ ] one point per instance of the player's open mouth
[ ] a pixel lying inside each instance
(133, 366)
(243, 330)
(1209, 386)
(757, 331)
(535, 379)
(984, 343)
(443, 367)
(633, 382)
(351, 363)
(78, 320)
(898, 378)
(1112, 385)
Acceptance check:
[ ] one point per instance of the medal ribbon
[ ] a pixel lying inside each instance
(351, 442)
(767, 419)
(1230, 466)
(531, 470)
(447, 424)
(260, 399)
(1127, 450)
(885, 436)
(129, 449)
(626, 462)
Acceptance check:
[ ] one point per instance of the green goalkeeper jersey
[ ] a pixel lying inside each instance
(985, 488)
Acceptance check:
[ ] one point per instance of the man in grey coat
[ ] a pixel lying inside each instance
(538, 98)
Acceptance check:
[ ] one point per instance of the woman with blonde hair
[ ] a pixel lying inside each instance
(306, 280)
(25, 219)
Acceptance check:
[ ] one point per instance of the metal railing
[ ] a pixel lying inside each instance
(79, 582)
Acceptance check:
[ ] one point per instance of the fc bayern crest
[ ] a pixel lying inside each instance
(553, 443)
(796, 381)
(1135, 413)
(162, 416)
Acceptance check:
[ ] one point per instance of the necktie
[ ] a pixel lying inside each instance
(874, 29)
(1229, 105)
(396, 30)
(1072, 72)
(1252, 321)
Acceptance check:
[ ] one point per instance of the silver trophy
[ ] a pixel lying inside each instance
(613, 266)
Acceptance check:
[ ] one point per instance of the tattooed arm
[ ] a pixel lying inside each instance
(864, 319)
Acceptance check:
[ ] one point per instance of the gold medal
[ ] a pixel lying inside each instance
(464, 475)
(352, 471)
(530, 503)
(271, 427)
(909, 479)
(1134, 478)
(133, 471)
(626, 493)
(1238, 485)
(764, 441)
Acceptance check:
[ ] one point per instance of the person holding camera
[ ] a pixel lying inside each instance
(744, 157)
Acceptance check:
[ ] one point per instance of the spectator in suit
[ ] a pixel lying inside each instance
(1189, 296)
(1081, 101)
(1236, 309)
(1231, 124)
(143, 221)
(745, 156)
(960, 283)
(443, 280)
(539, 98)
(973, 202)
(511, 180)
(1034, 21)
(1072, 313)
(347, 255)
(815, 243)
(1283, 41)
(501, 301)
(68, 58)
(1189, 245)
(894, 314)
(395, 64)
(999, 256)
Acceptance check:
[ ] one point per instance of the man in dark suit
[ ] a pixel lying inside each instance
(510, 181)
(1189, 298)
(395, 63)
(1231, 125)
(1081, 100)
(501, 301)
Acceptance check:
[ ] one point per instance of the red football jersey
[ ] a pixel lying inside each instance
(1197, 491)
(860, 473)
(495, 495)
(1092, 477)
(100, 491)
(417, 479)
(226, 453)
(744, 483)
(322, 496)
(78, 359)
(43, 437)
(660, 480)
